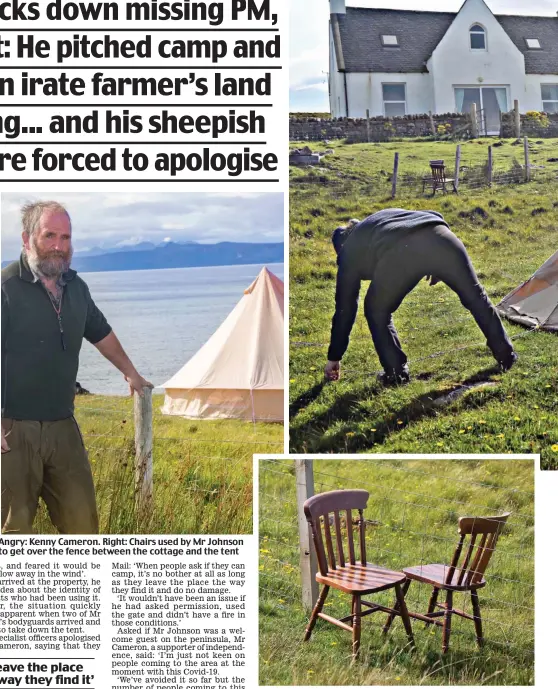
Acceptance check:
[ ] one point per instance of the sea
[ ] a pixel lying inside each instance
(161, 317)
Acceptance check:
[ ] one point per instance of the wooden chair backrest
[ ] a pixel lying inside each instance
(340, 505)
(438, 170)
(477, 556)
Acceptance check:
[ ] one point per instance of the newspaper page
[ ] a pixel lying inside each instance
(142, 160)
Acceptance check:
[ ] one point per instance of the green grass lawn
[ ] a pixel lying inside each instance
(509, 232)
(202, 470)
(412, 516)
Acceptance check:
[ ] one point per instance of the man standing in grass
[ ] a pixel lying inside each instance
(47, 310)
(395, 249)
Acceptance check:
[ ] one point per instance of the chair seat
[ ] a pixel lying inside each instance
(437, 576)
(359, 578)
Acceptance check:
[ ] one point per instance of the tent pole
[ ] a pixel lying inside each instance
(253, 410)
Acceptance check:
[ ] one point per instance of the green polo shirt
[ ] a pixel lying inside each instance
(38, 373)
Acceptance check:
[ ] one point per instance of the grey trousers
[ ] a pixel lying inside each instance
(47, 459)
(436, 251)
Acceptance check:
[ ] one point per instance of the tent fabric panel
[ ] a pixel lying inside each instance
(258, 405)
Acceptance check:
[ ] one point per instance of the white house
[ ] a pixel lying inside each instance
(398, 62)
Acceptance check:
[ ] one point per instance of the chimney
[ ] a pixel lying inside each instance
(337, 7)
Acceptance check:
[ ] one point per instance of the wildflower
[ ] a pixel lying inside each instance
(554, 447)
(399, 422)
(373, 430)
(292, 380)
(281, 600)
(440, 444)
(500, 435)
(350, 435)
(312, 368)
(482, 421)
(516, 418)
(461, 431)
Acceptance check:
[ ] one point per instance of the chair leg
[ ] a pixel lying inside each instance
(356, 625)
(404, 612)
(447, 621)
(391, 615)
(478, 619)
(432, 603)
(317, 610)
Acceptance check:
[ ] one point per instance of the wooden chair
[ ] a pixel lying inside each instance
(332, 512)
(438, 179)
(467, 577)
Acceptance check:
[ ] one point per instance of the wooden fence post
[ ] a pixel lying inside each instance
(304, 471)
(527, 163)
(457, 166)
(395, 173)
(516, 119)
(143, 420)
(489, 171)
(474, 122)
(432, 125)
(368, 125)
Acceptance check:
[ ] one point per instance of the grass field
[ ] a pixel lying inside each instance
(202, 471)
(412, 518)
(508, 230)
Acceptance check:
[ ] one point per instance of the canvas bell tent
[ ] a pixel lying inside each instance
(238, 373)
(535, 302)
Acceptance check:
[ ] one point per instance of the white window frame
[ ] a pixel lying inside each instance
(394, 83)
(478, 33)
(531, 47)
(390, 45)
(547, 101)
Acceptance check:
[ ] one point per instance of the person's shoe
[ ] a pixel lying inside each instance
(508, 362)
(394, 378)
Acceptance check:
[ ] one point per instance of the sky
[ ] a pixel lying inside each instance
(309, 27)
(108, 220)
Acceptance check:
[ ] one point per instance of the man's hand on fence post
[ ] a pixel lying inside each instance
(137, 383)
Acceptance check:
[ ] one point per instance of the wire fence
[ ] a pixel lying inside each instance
(198, 478)
(411, 520)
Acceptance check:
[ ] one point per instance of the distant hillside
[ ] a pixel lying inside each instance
(173, 255)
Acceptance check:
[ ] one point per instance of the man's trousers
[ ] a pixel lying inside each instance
(435, 251)
(47, 459)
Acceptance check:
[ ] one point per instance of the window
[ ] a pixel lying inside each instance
(478, 37)
(533, 43)
(390, 41)
(549, 94)
(394, 100)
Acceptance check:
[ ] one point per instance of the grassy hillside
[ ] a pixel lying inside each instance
(412, 518)
(202, 471)
(508, 230)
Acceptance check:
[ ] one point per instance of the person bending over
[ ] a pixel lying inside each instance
(395, 249)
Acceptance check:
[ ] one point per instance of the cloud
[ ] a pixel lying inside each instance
(107, 220)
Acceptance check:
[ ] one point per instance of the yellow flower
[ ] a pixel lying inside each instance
(292, 380)
(554, 448)
(350, 435)
(482, 421)
(373, 430)
(469, 428)
(312, 368)
(440, 444)
(500, 435)
(462, 430)
(399, 422)
(281, 600)
(516, 418)
(334, 643)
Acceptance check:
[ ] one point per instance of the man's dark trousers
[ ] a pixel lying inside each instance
(436, 251)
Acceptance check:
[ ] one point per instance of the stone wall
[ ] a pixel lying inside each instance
(375, 129)
(533, 126)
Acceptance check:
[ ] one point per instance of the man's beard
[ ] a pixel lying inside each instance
(48, 264)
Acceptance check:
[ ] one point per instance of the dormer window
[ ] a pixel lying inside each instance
(390, 41)
(533, 43)
(477, 36)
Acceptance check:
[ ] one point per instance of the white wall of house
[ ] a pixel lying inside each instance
(365, 92)
(532, 99)
(453, 63)
(336, 82)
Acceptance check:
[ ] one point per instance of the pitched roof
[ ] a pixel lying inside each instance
(545, 60)
(419, 33)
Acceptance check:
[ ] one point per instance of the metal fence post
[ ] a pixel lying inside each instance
(457, 165)
(143, 422)
(304, 472)
(395, 173)
(527, 163)
(368, 125)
